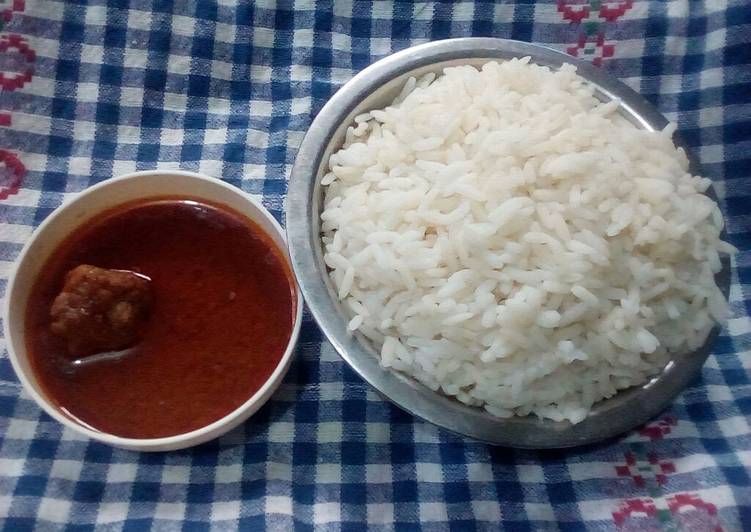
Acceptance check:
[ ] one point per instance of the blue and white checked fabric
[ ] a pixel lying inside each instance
(92, 90)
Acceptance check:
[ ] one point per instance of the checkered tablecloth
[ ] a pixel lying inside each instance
(227, 88)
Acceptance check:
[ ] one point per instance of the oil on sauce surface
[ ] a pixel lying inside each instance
(222, 315)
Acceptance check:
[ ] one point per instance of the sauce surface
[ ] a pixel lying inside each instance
(222, 314)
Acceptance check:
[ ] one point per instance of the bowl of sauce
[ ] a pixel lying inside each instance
(154, 311)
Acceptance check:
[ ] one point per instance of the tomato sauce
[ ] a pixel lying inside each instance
(223, 310)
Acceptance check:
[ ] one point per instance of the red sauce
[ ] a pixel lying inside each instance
(223, 311)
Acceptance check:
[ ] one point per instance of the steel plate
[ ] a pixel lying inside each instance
(374, 88)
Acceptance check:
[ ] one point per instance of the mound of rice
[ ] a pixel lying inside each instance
(502, 236)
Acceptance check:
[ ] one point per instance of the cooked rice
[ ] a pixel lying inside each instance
(504, 237)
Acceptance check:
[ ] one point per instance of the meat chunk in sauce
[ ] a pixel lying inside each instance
(101, 310)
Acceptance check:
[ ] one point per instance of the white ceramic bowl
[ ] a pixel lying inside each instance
(83, 207)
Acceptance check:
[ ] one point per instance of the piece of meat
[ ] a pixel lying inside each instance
(101, 310)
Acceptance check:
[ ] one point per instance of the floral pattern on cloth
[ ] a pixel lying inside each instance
(16, 70)
(593, 18)
(686, 512)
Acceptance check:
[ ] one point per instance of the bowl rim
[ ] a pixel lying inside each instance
(178, 441)
(605, 420)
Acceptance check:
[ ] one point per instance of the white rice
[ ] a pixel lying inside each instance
(504, 237)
